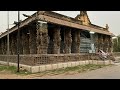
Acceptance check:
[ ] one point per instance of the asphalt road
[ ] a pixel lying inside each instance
(109, 72)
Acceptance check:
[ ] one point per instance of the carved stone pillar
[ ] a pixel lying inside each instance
(3, 46)
(25, 43)
(32, 40)
(14, 43)
(110, 44)
(76, 41)
(0, 47)
(104, 47)
(100, 41)
(105, 42)
(21, 46)
(56, 40)
(102, 44)
(10, 47)
(96, 43)
(67, 40)
(42, 37)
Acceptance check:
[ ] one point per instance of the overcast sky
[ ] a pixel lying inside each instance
(100, 18)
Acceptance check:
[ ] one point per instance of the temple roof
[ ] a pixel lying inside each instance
(81, 21)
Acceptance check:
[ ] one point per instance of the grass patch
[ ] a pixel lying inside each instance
(13, 69)
(7, 68)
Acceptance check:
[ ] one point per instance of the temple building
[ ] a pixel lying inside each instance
(49, 37)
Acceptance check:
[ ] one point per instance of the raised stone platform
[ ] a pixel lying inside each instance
(40, 68)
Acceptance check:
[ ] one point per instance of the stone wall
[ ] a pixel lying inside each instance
(116, 54)
(43, 59)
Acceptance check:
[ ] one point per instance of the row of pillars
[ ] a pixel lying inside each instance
(36, 41)
(66, 42)
(103, 42)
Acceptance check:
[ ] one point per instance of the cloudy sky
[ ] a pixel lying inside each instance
(101, 18)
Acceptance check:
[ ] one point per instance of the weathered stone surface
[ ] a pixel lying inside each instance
(42, 38)
(14, 44)
(0, 47)
(32, 40)
(54, 66)
(75, 41)
(20, 43)
(42, 68)
(35, 69)
(67, 40)
(25, 39)
(48, 67)
(56, 40)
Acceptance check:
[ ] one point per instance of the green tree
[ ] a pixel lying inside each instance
(118, 46)
(115, 45)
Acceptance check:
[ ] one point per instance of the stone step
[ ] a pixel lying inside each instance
(117, 59)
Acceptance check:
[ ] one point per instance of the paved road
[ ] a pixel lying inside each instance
(109, 72)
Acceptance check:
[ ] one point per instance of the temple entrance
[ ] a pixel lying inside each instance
(85, 42)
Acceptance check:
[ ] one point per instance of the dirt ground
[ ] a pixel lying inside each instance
(8, 75)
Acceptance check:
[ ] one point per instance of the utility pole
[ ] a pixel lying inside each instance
(18, 40)
(8, 38)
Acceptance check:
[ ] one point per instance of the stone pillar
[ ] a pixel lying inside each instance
(76, 41)
(42, 37)
(14, 43)
(96, 43)
(67, 40)
(100, 41)
(105, 43)
(102, 44)
(104, 47)
(21, 41)
(110, 44)
(56, 40)
(25, 41)
(0, 47)
(32, 40)
(5, 45)
(10, 43)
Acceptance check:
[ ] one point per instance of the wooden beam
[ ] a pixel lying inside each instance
(70, 24)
